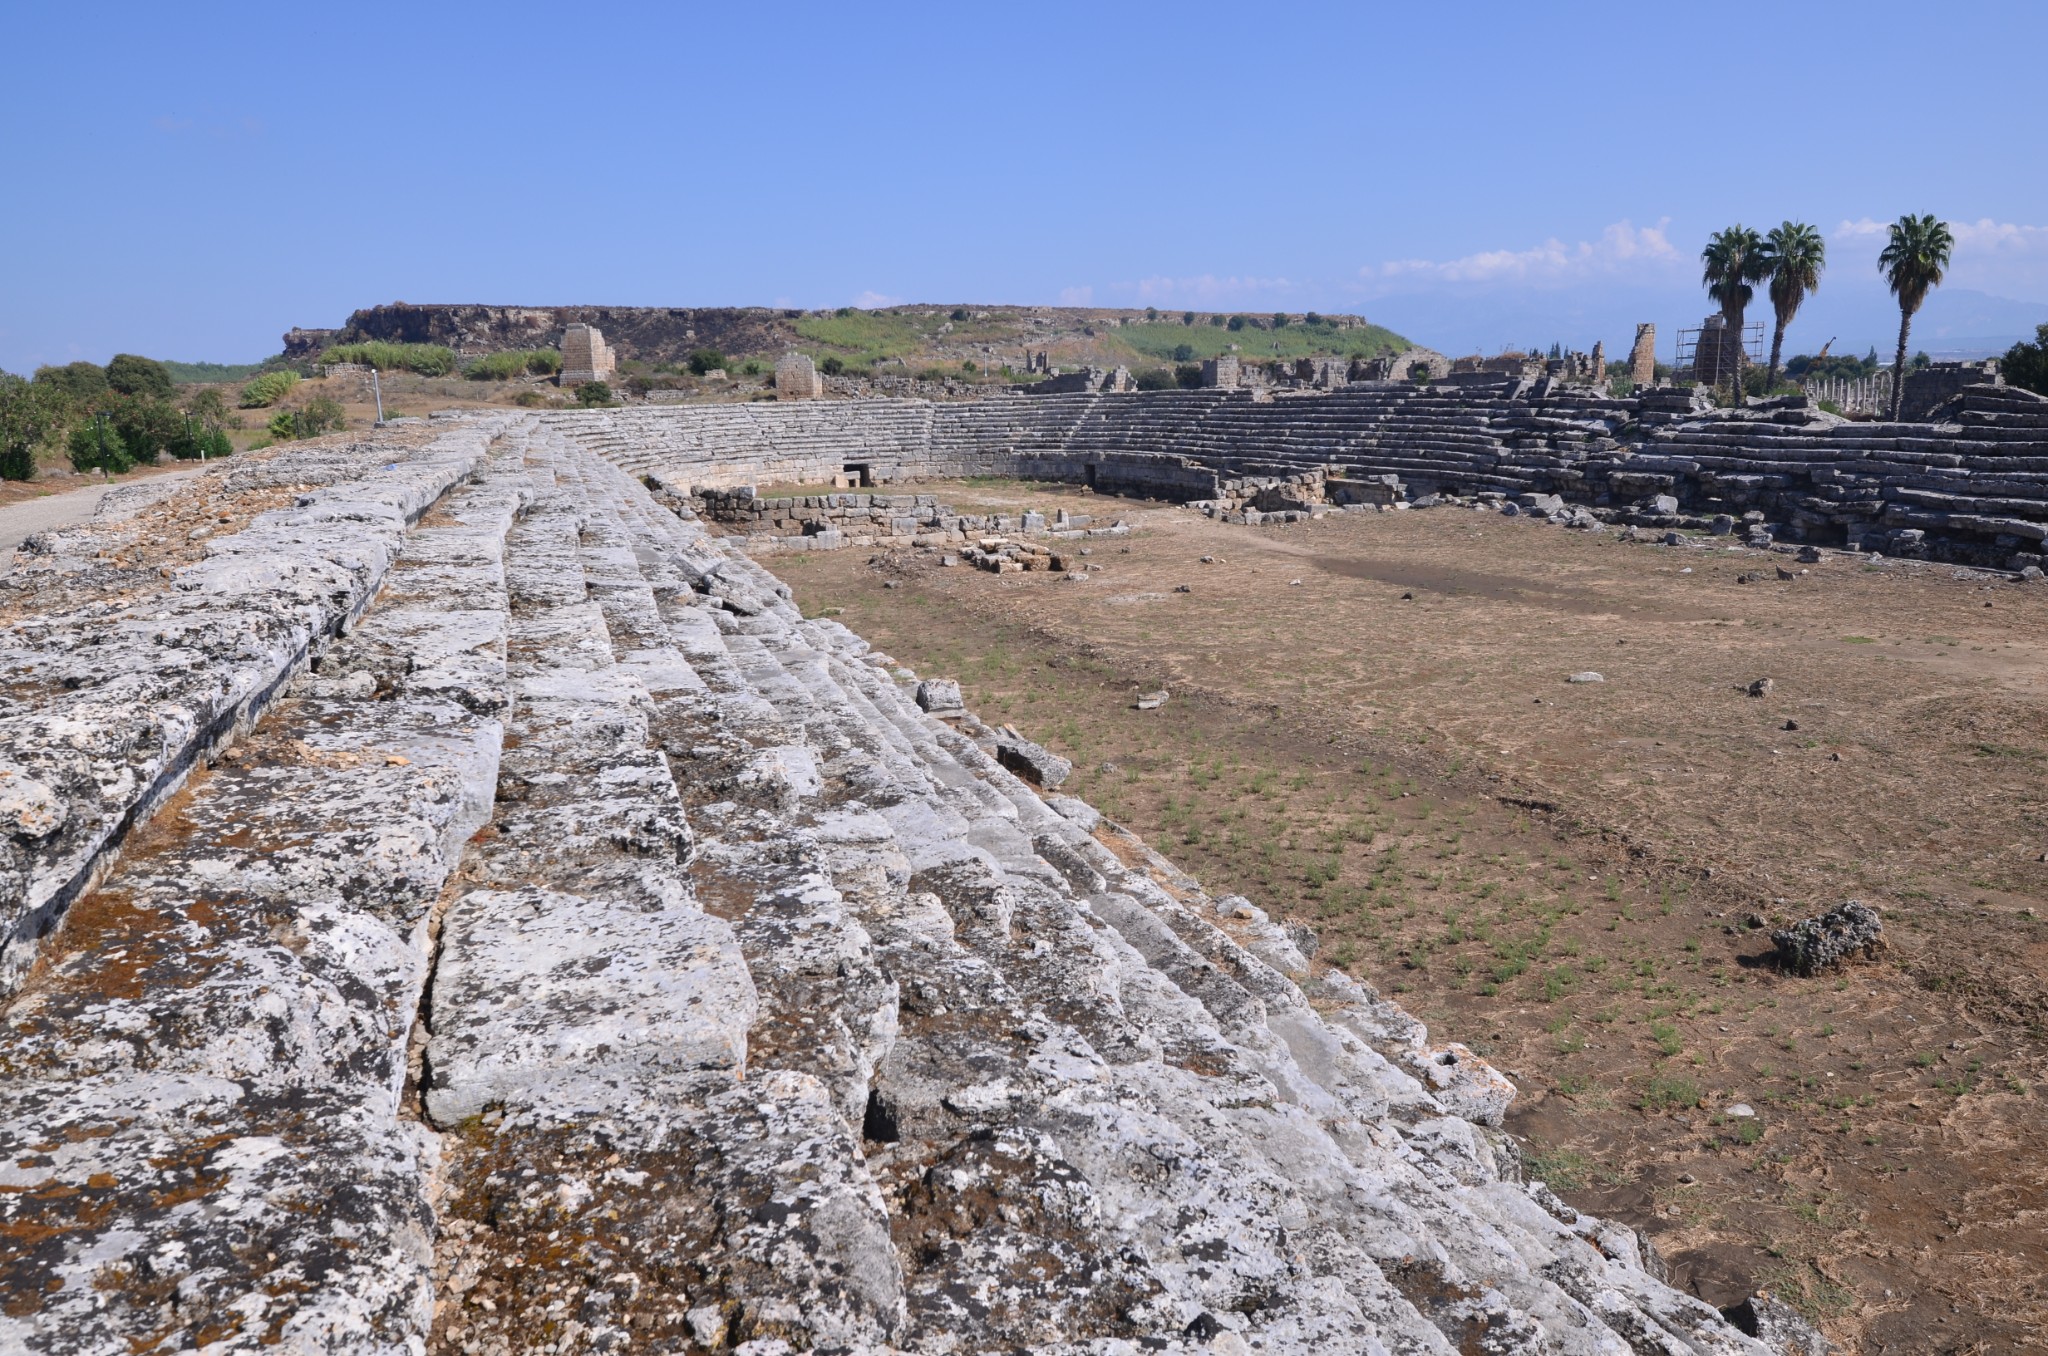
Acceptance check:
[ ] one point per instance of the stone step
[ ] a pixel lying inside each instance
(109, 707)
(214, 1057)
(594, 1027)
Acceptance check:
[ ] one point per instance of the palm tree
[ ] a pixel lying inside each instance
(1794, 256)
(1913, 265)
(1733, 260)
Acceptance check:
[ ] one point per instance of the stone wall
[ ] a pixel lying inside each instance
(1929, 388)
(827, 522)
(1973, 490)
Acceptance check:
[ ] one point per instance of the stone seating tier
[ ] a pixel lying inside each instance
(586, 932)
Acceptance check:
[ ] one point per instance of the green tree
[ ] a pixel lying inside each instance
(1794, 256)
(1279, 320)
(1236, 323)
(134, 375)
(1731, 262)
(208, 406)
(82, 382)
(592, 394)
(1187, 317)
(95, 445)
(702, 361)
(1913, 263)
(833, 365)
(2026, 365)
(147, 425)
(31, 413)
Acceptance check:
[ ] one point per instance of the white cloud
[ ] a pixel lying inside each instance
(2002, 257)
(1622, 247)
(873, 301)
(1077, 296)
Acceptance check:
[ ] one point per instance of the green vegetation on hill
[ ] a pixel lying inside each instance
(868, 336)
(186, 374)
(510, 363)
(1175, 342)
(429, 360)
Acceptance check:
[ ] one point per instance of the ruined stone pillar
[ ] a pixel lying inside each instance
(1642, 359)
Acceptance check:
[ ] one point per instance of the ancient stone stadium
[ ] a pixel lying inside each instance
(455, 902)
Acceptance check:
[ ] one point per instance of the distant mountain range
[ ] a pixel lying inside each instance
(1956, 322)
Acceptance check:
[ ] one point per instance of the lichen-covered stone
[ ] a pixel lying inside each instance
(1850, 931)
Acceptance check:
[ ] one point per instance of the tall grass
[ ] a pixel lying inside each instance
(268, 389)
(429, 360)
(542, 362)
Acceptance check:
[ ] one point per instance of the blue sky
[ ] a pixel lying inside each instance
(190, 182)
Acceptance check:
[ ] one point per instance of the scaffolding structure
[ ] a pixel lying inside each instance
(1719, 364)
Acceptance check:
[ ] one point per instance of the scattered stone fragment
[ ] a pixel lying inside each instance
(1588, 676)
(1152, 701)
(940, 697)
(1850, 931)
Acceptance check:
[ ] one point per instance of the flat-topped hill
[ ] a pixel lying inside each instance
(913, 336)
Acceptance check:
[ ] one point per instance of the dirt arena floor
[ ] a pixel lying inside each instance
(1371, 730)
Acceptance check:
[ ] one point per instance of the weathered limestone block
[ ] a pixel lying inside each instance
(554, 999)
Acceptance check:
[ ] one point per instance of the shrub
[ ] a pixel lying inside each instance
(1217, 321)
(1279, 320)
(530, 399)
(592, 394)
(706, 360)
(751, 367)
(1311, 319)
(968, 366)
(132, 374)
(1188, 376)
(322, 414)
(1187, 317)
(30, 413)
(1155, 379)
(1236, 323)
(429, 360)
(197, 442)
(268, 389)
(544, 362)
(283, 427)
(832, 366)
(1183, 353)
(96, 446)
(83, 382)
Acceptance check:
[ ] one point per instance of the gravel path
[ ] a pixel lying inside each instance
(18, 522)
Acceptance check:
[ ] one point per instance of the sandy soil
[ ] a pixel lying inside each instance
(1371, 730)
